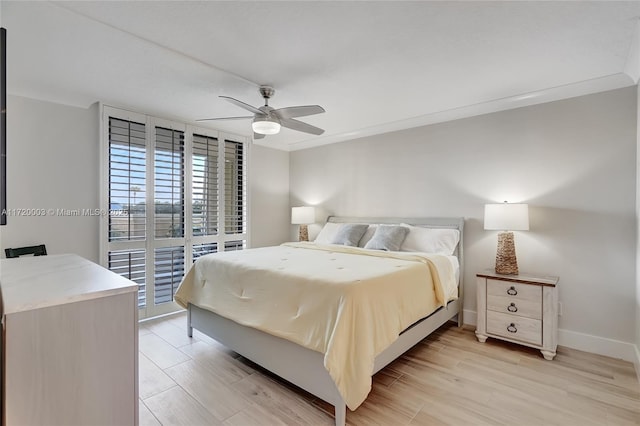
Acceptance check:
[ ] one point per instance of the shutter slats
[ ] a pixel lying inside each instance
(169, 183)
(235, 188)
(127, 156)
(202, 249)
(168, 272)
(131, 265)
(205, 185)
(234, 245)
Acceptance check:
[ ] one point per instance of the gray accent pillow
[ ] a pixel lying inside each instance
(388, 237)
(349, 234)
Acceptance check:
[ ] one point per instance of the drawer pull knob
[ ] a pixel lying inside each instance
(512, 307)
(511, 328)
(512, 291)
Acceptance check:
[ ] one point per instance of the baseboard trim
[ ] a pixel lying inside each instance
(597, 345)
(587, 343)
(469, 317)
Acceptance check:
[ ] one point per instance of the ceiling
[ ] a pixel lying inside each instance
(374, 66)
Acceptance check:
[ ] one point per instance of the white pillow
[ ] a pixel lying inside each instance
(431, 240)
(328, 233)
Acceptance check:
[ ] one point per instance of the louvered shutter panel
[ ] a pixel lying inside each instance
(168, 272)
(127, 192)
(205, 185)
(127, 182)
(235, 188)
(169, 183)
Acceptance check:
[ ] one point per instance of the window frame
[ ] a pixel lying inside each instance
(188, 240)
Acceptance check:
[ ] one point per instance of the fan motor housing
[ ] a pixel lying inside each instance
(267, 91)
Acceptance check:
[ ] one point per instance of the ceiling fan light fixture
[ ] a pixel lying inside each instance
(267, 120)
(266, 125)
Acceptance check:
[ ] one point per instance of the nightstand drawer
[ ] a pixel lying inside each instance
(514, 327)
(513, 306)
(514, 290)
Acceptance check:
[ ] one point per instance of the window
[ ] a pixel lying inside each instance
(204, 176)
(130, 264)
(168, 264)
(169, 183)
(196, 182)
(127, 171)
(235, 188)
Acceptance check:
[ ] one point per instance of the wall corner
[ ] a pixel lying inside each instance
(632, 64)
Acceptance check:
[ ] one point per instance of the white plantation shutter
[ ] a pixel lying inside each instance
(205, 185)
(169, 183)
(235, 188)
(169, 213)
(196, 181)
(168, 272)
(126, 200)
(130, 264)
(127, 181)
(235, 245)
(202, 249)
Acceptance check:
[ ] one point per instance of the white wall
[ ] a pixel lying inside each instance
(573, 161)
(52, 163)
(270, 211)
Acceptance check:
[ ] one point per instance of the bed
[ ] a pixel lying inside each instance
(327, 317)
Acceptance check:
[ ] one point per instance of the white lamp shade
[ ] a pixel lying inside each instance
(303, 215)
(506, 217)
(265, 126)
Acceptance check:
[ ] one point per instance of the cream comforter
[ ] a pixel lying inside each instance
(347, 303)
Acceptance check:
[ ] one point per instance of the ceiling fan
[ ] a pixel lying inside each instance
(267, 120)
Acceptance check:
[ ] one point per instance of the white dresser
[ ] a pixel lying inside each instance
(70, 350)
(519, 308)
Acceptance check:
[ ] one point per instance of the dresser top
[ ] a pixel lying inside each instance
(34, 282)
(520, 278)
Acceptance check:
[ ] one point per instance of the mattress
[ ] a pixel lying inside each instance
(348, 303)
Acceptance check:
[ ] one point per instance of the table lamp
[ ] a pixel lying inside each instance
(303, 216)
(506, 217)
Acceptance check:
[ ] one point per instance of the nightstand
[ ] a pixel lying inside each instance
(521, 309)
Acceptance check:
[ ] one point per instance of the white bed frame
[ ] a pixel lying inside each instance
(304, 367)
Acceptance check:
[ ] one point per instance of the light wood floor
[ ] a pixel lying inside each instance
(448, 379)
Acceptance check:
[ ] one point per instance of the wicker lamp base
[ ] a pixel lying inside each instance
(303, 233)
(506, 262)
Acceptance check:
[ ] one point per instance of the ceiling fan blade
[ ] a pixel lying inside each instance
(226, 118)
(299, 111)
(243, 105)
(300, 126)
(258, 135)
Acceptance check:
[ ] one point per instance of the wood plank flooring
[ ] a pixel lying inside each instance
(448, 379)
